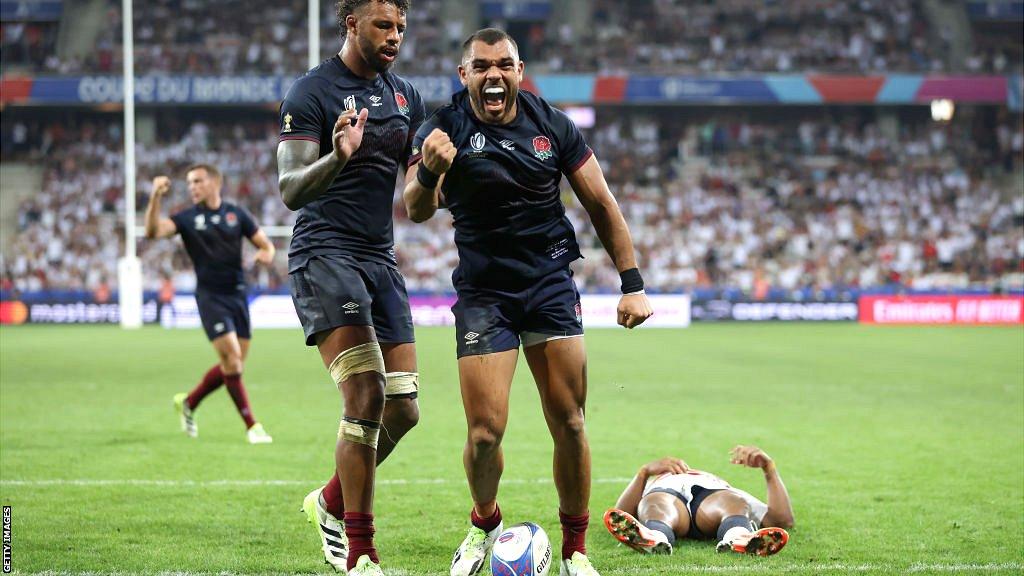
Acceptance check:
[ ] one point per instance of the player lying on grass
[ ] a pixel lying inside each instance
(667, 500)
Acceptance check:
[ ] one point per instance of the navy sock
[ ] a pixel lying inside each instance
(738, 521)
(665, 529)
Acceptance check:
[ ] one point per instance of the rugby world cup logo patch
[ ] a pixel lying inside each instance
(542, 147)
(403, 104)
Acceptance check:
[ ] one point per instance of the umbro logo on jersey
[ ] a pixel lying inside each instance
(351, 308)
(376, 100)
(508, 145)
(472, 337)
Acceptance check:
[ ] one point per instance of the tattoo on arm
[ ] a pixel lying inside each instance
(302, 175)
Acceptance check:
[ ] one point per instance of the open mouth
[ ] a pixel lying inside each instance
(389, 54)
(494, 98)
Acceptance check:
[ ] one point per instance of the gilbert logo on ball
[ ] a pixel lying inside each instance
(521, 550)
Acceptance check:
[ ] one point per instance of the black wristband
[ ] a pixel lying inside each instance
(632, 281)
(427, 178)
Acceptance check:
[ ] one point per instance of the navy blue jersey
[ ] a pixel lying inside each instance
(213, 240)
(503, 188)
(354, 215)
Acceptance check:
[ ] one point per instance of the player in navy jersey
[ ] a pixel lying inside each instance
(346, 127)
(496, 156)
(212, 231)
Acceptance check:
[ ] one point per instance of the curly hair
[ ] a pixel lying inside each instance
(345, 7)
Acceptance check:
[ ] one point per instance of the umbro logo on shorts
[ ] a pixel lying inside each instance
(218, 327)
(351, 308)
(471, 337)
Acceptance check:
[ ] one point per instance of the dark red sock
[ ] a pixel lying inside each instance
(333, 501)
(359, 529)
(210, 382)
(574, 533)
(240, 398)
(486, 524)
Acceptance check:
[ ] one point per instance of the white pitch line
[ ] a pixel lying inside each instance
(260, 483)
(759, 567)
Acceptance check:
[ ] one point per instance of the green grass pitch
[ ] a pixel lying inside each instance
(903, 449)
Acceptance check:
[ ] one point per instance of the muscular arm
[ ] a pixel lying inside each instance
(780, 511)
(157, 227)
(438, 154)
(420, 202)
(302, 175)
(630, 498)
(591, 188)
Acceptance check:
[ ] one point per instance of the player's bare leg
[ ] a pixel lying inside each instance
(232, 350)
(355, 454)
(485, 380)
(401, 414)
(401, 410)
(730, 516)
(661, 520)
(560, 369)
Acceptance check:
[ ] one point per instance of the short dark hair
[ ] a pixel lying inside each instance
(489, 36)
(345, 7)
(211, 170)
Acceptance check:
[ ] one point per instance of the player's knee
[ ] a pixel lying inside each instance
(364, 396)
(485, 438)
(359, 373)
(402, 413)
(231, 363)
(571, 424)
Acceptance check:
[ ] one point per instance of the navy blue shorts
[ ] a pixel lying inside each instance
(223, 313)
(489, 320)
(333, 290)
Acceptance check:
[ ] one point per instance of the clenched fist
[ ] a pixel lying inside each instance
(633, 310)
(438, 152)
(161, 185)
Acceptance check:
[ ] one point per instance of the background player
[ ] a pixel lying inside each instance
(667, 501)
(212, 231)
(344, 279)
(498, 156)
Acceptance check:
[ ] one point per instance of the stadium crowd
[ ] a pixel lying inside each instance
(659, 36)
(745, 36)
(711, 200)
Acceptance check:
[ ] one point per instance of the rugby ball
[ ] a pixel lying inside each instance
(521, 550)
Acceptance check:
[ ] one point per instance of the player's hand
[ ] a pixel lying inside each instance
(750, 456)
(263, 257)
(438, 152)
(667, 465)
(161, 186)
(633, 310)
(347, 137)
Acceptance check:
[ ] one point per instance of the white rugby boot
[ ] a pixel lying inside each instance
(188, 418)
(578, 565)
(333, 542)
(471, 556)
